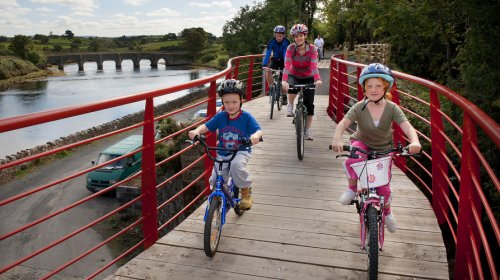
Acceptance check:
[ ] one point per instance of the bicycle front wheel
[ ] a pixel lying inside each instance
(300, 124)
(372, 247)
(272, 93)
(279, 98)
(213, 227)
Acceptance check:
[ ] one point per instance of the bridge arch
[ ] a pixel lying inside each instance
(180, 58)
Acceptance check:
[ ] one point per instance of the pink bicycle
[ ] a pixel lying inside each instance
(373, 172)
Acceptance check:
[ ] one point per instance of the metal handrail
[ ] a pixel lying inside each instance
(468, 228)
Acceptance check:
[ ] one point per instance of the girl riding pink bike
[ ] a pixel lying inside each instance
(374, 116)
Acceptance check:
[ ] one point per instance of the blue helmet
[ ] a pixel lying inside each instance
(279, 29)
(376, 70)
(231, 86)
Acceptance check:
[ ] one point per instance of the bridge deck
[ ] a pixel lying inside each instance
(297, 229)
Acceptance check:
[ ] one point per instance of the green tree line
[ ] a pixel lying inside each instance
(452, 42)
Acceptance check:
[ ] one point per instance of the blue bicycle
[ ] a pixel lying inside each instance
(222, 198)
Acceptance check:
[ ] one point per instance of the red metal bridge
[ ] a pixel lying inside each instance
(296, 229)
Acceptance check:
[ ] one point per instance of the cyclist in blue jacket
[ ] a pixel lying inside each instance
(277, 46)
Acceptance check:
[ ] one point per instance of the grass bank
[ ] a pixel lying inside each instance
(14, 70)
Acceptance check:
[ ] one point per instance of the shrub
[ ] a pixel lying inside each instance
(207, 58)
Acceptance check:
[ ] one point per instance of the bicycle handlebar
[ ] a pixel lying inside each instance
(402, 151)
(304, 86)
(232, 151)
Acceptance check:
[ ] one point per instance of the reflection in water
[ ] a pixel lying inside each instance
(195, 75)
(38, 85)
(83, 87)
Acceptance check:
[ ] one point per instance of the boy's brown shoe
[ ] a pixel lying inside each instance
(246, 199)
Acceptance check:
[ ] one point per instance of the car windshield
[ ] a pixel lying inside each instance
(107, 157)
(200, 114)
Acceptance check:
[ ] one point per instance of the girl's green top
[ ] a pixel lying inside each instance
(378, 137)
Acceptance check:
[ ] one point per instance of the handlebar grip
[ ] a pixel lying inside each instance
(344, 147)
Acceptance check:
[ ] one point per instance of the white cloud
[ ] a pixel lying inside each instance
(220, 4)
(8, 3)
(75, 5)
(164, 12)
(134, 2)
(43, 10)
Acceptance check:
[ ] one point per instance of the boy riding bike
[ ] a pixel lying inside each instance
(277, 46)
(374, 116)
(233, 124)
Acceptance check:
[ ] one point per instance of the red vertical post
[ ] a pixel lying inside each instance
(148, 178)
(361, 91)
(236, 69)
(250, 80)
(212, 138)
(440, 188)
(331, 101)
(340, 92)
(468, 200)
(398, 136)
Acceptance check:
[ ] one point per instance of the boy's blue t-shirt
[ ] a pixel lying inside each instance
(231, 131)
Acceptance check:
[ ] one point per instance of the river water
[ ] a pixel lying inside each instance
(89, 86)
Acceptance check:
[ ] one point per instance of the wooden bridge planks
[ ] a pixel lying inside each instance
(296, 228)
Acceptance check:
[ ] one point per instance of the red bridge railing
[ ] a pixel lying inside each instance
(148, 223)
(455, 170)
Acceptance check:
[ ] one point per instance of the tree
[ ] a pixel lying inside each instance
(195, 40)
(169, 36)
(57, 48)
(95, 45)
(23, 47)
(44, 39)
(68, 34)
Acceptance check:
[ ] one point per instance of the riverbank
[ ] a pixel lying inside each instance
(10, 82)
(128, 120)
(14, 70)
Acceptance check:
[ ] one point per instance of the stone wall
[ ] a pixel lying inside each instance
(125, 121)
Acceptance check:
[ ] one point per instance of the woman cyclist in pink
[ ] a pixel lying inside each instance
(301, 67)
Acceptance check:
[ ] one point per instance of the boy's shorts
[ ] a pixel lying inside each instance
(238, 170)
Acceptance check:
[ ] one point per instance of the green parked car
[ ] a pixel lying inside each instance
(110, 174)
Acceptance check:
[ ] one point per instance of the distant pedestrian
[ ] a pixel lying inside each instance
(319, 43)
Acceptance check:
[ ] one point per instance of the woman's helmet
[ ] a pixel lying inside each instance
(231, 86)
(376, 70)
(279, 29)
(299, 28)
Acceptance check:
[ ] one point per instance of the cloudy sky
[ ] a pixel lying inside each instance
(114, 18)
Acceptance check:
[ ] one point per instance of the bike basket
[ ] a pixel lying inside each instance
(373, 173)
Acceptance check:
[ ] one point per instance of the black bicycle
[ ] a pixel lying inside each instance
(275, 95)
(300, 119)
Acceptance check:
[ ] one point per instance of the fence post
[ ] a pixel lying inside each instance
(467, 232)
(340, 91)
(236, 69)
(440, 188)
(212, 137)
(148, 178)
(249, 80)
(331, 101)
(398, 136)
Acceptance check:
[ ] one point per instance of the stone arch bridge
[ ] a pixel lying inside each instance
(180, 58)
